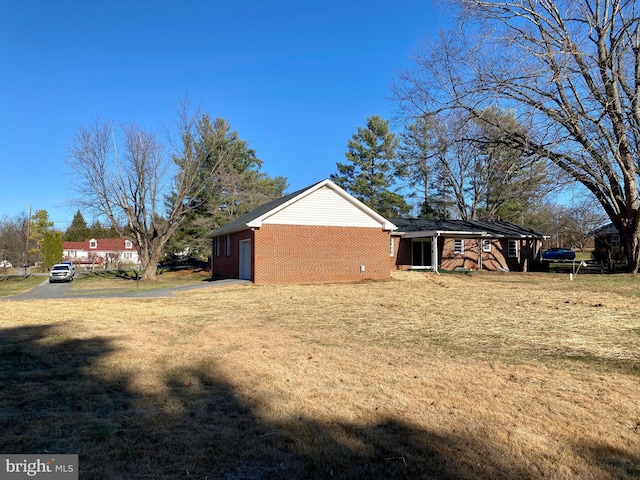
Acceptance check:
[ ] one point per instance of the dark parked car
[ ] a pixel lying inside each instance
(559, 254)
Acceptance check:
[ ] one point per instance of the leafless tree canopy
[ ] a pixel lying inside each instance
(476, 176)
(13, 237)
(143, 185)
(570, 70)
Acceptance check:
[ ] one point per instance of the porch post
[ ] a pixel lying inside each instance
(434, 252)
(213, 254)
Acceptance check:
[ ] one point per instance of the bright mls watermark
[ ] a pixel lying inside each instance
(49, 467)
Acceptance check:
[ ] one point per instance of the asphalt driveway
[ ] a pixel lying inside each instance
(47, 291)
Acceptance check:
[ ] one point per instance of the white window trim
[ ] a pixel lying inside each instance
(486, 245)
(128, 244)
(93, 243)
(455, 246)
(513, 252)
(392, 246)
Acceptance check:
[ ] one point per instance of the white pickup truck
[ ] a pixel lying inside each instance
(61, 272)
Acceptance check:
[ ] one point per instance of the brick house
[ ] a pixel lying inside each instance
(100, 251)
(315, 235)
(607, 239)
(458, 244)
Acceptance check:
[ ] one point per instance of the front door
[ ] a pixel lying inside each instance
(245, 259)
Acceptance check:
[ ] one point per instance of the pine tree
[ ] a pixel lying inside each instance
(373, 169)
(239, 186)
(98, 231)
(40, 224)
(78, 231)
(418, 148)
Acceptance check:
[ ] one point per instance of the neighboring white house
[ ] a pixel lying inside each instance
(100, 251)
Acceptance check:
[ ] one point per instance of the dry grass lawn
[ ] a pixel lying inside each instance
(109, 281)
(13, 284)
(482, 376)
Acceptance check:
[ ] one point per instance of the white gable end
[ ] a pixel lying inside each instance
(323, 207)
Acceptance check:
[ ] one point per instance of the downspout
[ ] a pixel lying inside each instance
(434, 252)
(213, 246)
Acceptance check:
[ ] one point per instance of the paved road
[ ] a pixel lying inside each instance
(47, 290)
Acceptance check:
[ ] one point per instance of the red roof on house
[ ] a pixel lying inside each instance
(111, 244)
(75, 245)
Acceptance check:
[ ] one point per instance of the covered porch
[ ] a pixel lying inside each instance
(426, 250)
(428, 244)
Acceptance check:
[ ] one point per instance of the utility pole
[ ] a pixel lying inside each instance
(26, 252)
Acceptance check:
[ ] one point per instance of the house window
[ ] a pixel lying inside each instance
(486, 245)
(513, 249)
(615, 240)
(227, 247)
(458, 245)
(217, 246)
(392, 247)
(93, 243)
(128, 244)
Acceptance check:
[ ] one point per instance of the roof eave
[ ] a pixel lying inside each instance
(222, 231)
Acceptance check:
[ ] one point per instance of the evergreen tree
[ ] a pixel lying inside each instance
(513, 181)
(51, 248)
(418, 147)
(78, 231)
(373, 169)
(466, 164)
(40, 224)
(238, 187)
(98, 231)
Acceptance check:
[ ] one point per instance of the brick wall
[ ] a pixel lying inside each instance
(319, 254)
(402, 258)
(499, 255)
(305, 254)
(497, 258)
(467, 259)
(228, 265)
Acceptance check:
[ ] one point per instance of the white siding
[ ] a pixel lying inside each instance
(323, 207)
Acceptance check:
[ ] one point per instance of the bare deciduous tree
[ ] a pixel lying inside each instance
(13, 237)
(568, 69)
(144, 186)
(474, 174)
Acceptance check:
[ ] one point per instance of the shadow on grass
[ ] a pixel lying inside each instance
(113, 274)
(136, 275)
(612, 460)
(57, 398)
(611, 365)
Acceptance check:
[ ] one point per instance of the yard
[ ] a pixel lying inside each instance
(472, 376)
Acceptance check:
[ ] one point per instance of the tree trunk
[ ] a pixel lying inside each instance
(151, 252)
(630, 241)
(151, 265)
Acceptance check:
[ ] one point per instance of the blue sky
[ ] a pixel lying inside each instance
(294, 78)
